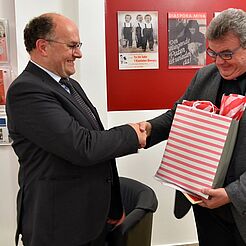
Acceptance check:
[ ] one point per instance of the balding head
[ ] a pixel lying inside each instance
(44, 27)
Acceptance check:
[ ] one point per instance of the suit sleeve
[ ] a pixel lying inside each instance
(161, 125)
(236, 178)
(35, 113)
(237, 194)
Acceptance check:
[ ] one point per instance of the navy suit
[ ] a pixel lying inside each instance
(68, 178)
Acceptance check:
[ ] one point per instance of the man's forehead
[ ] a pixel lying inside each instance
(226, 43)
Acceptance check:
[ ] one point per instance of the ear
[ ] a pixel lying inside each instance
(42, 46)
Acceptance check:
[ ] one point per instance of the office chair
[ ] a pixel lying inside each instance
(140, 203)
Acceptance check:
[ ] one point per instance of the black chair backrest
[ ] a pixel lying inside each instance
(137, 195)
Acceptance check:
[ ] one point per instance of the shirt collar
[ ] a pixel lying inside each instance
(54, 76)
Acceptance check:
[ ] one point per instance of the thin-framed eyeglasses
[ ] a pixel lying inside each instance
(225, 55)
(70, 46)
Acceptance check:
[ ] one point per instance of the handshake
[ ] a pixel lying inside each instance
(143, 130)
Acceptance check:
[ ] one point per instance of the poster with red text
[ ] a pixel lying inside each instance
(4, 84)
(138, 40)
(186, 40)
(3, 41)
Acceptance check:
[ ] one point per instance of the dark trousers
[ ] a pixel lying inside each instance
(127, 33)
(216, 227)
(148, 37)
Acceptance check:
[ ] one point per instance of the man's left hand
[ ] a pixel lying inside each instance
(217, 197)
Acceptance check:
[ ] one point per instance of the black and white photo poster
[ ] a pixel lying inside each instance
(186, 40)
(138, 39)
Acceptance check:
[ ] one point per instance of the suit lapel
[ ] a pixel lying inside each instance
(32, 68)
(87, 101)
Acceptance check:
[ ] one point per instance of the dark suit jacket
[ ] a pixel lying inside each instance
(204, 86)
(68, 178)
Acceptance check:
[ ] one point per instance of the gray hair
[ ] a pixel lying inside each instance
(229, 21)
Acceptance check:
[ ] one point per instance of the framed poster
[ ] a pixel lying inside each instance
(5, 79)
(4, 133)
(186, 40)
(138, 40)
(3, 41)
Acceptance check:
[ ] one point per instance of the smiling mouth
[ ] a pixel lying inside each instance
(225, 67)
(70, 61)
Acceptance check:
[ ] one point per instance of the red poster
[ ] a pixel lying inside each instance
(2, 91)
(5, 79)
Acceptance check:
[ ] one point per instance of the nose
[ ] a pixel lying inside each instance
(219, 60)
(77, 53)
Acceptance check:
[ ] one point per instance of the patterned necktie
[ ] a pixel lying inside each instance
(80, 100)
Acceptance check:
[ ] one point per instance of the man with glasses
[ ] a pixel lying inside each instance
(220, 220)
(69, 188)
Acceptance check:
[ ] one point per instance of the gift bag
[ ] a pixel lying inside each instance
(198, 150)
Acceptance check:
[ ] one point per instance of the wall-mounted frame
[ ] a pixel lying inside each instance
(4, 58)
(186, 40)
(5, 80)
(4, 134)
(138, 40)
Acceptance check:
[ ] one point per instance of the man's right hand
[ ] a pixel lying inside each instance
(141, 134)
(145, 126)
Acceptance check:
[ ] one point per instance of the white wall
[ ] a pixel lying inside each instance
(92, 74)
(93, 64)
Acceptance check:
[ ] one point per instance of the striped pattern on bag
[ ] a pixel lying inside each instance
(193, 149)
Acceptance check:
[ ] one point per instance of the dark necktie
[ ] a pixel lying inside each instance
(80, 100)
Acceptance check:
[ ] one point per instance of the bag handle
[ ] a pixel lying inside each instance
(196, 103)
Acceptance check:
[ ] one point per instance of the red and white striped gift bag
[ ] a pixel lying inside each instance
(198, 150)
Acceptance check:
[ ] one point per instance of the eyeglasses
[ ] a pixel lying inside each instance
(225, 55)
(70, 46)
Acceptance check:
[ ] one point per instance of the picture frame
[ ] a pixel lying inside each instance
(138, 40)
(5, 80)
(186, 40)
(4, 133)
(4, 51)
